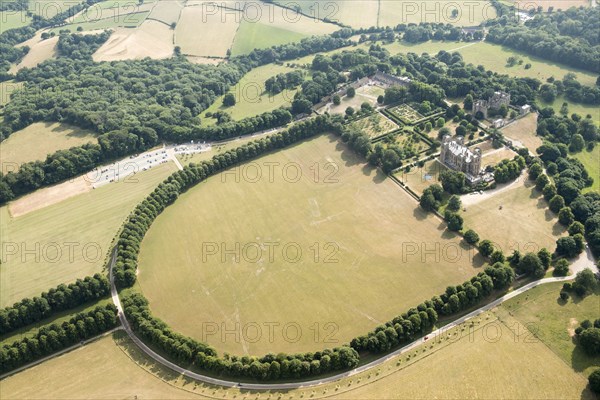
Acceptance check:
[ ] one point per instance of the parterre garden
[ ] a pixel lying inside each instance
(374, 125)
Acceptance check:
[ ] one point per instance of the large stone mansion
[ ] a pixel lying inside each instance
(455, 155)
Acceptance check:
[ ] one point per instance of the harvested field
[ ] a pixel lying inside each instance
(40, 51)
(166, 11)
(152, 39)
(206, 35)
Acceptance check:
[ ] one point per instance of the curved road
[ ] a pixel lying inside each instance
(580, 263)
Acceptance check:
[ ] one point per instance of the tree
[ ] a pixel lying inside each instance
(561, 268)
(229, 100)
(545, 257)
(486, 248)
(468, 103)
(564, 109)
(534, 171)
(575, 228)
(565, 216)
(502, 275)
(349, 111)
(351, 92)
(586, 280)
(337, 100)
(577, 143)
(549, 192)
(589, 340)
(453, 182)
(497, 257)
(564, 296)
(568, 246)
(531, 265)
(440, 122)
(455, 221)
(594, 381)
(541, 181)
(556, 203)
(454, 203)
(380, 99)
(428, 202)
(471, 237)
(461, 130)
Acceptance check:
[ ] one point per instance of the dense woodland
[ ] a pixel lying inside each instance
(570, 37)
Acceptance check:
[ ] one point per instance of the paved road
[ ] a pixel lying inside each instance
(585, 260)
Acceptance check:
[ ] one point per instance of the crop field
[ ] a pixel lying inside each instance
(39, 140)
(374, 125)
(152, 39)
(591, 161)
(204, 34)
(523, 131)
(359, 244)
(250, 95)
(417, 179)
(256, 35)
(166, 11)
(469, 13)
(57, 244)
(121, 21)
(498, 215)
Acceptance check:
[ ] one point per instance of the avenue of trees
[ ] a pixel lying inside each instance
(52, 338)
(63, 297)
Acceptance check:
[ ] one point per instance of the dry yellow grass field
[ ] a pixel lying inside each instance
(60, 243)
(514, 216)
(39, 51)
(206, 34)
(417, 179)
(523, 132)
(151, 39)
(365, 241)
(38, 140)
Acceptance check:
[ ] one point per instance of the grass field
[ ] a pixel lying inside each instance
(553, 322)
(120, 21)
(251, 98)
(362, 243)
(519, 202)
(591, 161)
(58, 244)
(206, 34)
(151, 39)
(166, 11)
(417, 179)
(114, 369)
(40, 139)
(470, 13)
(523, 131)
(493, 57)
(374, 125)
(580, 109)
(364, 94)
(12, 20)
(6, 89)
(256, 35)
